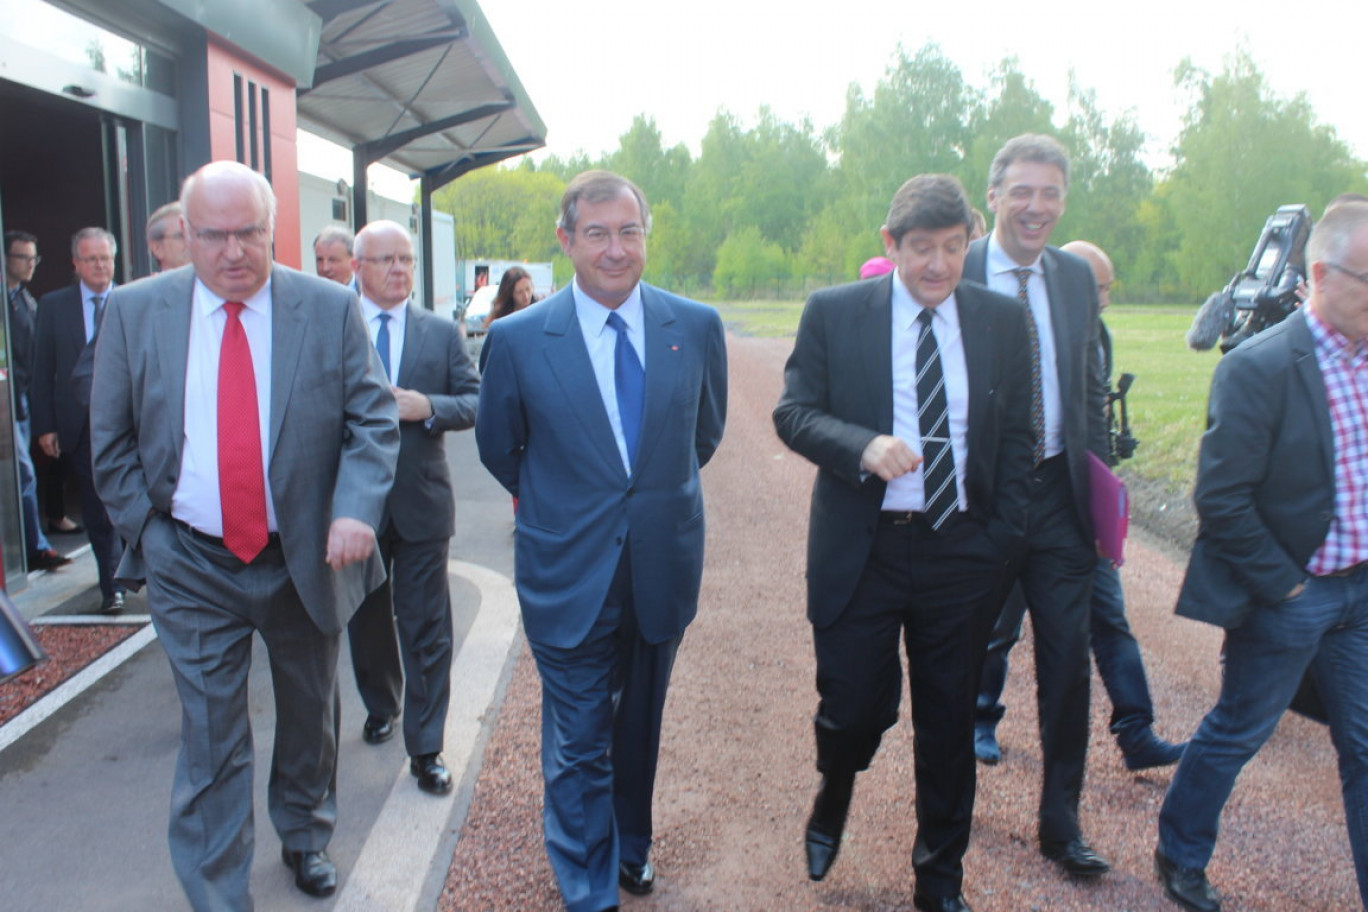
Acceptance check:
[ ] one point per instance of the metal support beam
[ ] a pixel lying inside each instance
(360, 188)
(425, 240)
(357, 63)
(379, 148)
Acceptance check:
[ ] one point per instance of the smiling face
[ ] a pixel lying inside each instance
(1027, 203)
(607, 246)
(930, 261)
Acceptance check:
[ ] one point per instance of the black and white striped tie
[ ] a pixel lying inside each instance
(933, 418)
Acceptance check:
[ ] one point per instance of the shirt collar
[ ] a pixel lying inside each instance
(208, 302)
(999, 262)
(906, 309)
(87, 293)
(594, 315)
(370, 310)
(1331, 343)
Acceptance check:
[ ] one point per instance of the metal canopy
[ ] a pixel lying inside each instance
(420, 85)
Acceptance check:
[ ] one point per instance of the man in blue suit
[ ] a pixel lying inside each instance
(597, 409)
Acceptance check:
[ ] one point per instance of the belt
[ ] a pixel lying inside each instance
(918, 519)
(272, 538)
(1347, 571)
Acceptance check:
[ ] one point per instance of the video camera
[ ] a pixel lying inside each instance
(1265, 292)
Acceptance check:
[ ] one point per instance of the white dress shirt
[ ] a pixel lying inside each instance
(1002, 278)
(601, 340)
(371, 312)
(196, 500)
(906, 492)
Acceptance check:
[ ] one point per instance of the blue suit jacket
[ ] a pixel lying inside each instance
(544, 433)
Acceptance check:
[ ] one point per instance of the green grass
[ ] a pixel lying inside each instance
(1167, 403)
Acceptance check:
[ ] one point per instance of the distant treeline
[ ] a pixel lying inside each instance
(775, 209)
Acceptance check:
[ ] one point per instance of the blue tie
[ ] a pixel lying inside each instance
(629, 380)
(382, 344)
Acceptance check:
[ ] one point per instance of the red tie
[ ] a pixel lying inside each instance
(242, 485)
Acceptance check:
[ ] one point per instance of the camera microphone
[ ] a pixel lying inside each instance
(1212, 321)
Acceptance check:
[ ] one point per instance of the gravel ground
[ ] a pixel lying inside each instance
(69, 649)
(736, 774)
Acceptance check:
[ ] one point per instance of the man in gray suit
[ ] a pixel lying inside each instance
(244, 439)
(436, 389)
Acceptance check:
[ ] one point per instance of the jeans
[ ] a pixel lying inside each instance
(1113, 647)
(34, 539)
(1326, 628)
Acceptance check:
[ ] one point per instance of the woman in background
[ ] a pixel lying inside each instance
(515, 293)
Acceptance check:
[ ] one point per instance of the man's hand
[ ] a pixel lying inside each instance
(349, 541)
(412, 406)
(48, 444)
(888, 457)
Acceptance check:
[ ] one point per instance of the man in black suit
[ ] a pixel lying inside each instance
(1281, 558)
(436, 389)
(908, 391)
(1027, 186)
(67, 322)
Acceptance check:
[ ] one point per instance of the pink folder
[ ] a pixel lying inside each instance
(1110, 510)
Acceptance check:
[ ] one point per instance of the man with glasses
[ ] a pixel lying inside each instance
(597, 408)
(68, 320)
(166, 237)
(436, 388)
(244, 439)
(1281, 557)
(21, 258)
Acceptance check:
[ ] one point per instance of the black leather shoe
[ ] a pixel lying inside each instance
(377, 730)
(824, 828)
(314, 872)
(1188, 887)
(433, 776)
(112, 604)
(47, 560)
(1149, 751)
(1076, 857)
(637, 879)
(986, 747)
(940, 903)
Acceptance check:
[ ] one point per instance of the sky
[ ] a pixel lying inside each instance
(590, 66)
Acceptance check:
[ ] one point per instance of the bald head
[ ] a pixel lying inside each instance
(1101, 265)
(229, 215)
(383, 263)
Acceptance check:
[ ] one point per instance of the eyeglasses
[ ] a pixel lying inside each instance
(26, 258)
(95, 260)
(172, 237)
(246, 237)
(1361, 276)
(405, 260)
(601, 237)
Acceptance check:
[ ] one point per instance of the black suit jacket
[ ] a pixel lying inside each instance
(23, 316)
(838, 396)
(1265, 480)
(58, 340)
(435, 363)
(1082, 390)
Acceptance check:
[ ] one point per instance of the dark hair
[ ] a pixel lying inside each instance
(598, 187)
(929, 202)
(503, 298)
(18, 237)
(1031, 147)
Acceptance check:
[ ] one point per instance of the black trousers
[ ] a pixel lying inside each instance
(934, 591)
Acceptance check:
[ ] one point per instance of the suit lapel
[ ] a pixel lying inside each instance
(170, 335)
(666, 346)
(976, 337)
(1061, 326)
(568, 359)
(415, 335)
(1313, 387)
(874, 348)
(287, 338)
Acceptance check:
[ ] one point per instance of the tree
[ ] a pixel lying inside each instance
(660, 173)
(504, 213)
(749, 266)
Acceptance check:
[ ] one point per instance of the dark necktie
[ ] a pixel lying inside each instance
(933, 417)
(97, 301)
(629, 381)
(382, 344)
(1037, 392)
(242, 485)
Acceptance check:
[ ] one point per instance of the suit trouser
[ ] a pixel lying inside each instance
(1055, 574)
(936, 589)
(1325, 628)
(104, 541)
(1114, 648)
(415, 598)
(602, 703)
(205, 604)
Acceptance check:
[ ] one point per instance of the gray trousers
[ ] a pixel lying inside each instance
(205, 605)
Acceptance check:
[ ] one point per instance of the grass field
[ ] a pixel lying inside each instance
(1167, 402)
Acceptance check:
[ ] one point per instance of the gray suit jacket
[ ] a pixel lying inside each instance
(1266, 477)
(1082, 389)
(334, 433)
(436, 364)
